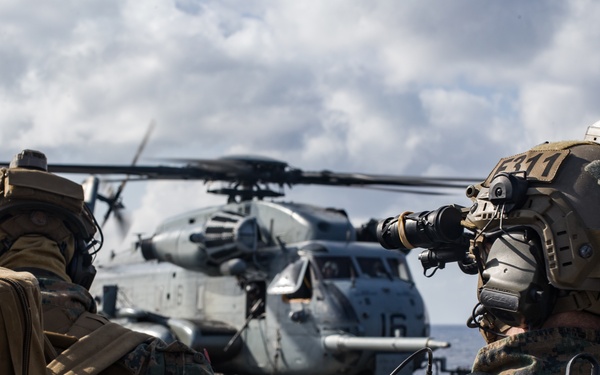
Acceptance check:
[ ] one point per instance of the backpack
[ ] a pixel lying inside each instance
(96, 351)
(21, 331)
(25, 348)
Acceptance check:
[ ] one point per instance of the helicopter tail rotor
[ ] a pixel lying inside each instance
(113, 198)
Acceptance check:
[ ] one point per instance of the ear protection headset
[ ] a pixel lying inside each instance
(515, 288)
(80, 269)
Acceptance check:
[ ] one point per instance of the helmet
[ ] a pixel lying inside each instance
(537, 233)
(34, 201)
(330, 269)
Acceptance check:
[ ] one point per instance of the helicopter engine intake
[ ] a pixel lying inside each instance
(224, 236)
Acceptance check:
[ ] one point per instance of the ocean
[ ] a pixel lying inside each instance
(464, 344)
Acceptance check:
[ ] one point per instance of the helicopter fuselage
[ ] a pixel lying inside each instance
(260, 285)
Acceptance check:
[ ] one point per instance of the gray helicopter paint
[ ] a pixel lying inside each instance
(276, 344)
(289, 336)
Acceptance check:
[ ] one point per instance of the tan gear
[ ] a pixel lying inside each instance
(25, 191)
(30, 184)
(36, 202)
(97, 351)
(562, 204)
(92, 343)
(21, 334)
(34, 251)
(38, 223)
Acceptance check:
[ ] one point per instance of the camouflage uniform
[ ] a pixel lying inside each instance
(63, 303)
(543, 351)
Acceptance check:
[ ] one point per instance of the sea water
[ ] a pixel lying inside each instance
(464, 344)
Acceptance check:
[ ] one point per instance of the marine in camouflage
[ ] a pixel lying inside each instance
(44, 230)
(536, 238)
(65, 303)
(543, 351)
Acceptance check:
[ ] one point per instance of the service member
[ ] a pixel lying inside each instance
(536, 225)
(46, 230)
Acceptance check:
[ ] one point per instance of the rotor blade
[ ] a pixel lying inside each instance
(148, 172)
(406, 191)
(250, 171)
(115, 198)
(352, 179)
(238, 164)
(358, 186)
(144, 142)
(292, 177)
(123, 221)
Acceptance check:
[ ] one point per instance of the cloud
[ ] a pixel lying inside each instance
(418, 88)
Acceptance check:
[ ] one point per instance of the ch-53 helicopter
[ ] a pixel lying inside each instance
(268, 286)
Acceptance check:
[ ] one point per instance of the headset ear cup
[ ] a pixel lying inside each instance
(80, 269)
(515, 286)
(508, 189)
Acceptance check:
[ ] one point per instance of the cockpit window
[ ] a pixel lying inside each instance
(399, 269)
(336, 267)
(290, 280)
(373, 267)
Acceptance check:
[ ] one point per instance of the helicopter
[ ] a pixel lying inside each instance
(266, 286)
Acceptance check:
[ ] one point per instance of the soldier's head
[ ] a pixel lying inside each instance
(44, 222)
(536, 220)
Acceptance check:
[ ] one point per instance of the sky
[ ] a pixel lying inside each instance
(425, 88)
